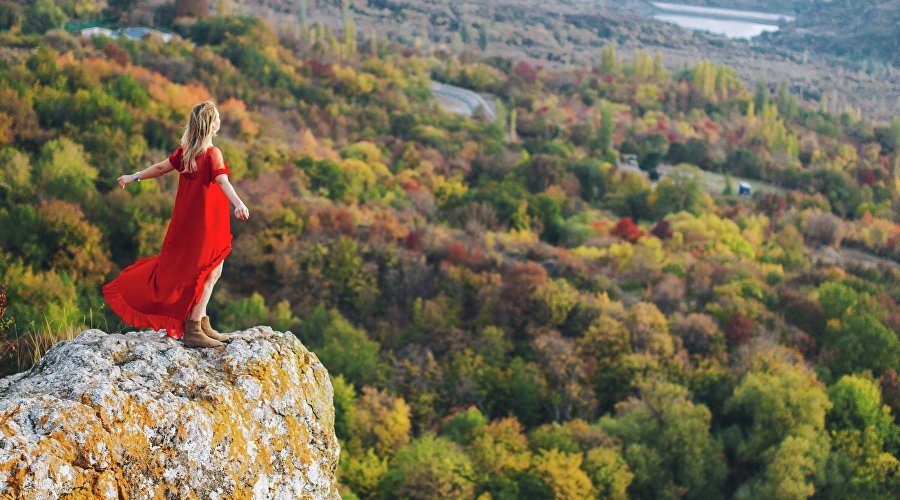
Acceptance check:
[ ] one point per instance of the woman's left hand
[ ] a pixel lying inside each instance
(242, 212)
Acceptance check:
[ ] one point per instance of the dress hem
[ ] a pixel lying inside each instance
(174, 327)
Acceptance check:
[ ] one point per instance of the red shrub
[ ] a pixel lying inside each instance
(413, 240)
(627, 230)
(456, 253)
(662, 230)
(890, 389)
(738, 329)
(866, 176)
(112, 51)
(525, 72)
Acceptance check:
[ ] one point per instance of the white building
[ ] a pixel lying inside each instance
(138, 33)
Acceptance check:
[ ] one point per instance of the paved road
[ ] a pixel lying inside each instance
(459, 99)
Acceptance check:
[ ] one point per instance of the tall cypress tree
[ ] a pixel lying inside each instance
(482, 36)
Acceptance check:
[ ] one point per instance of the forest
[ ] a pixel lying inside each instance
(503, 310)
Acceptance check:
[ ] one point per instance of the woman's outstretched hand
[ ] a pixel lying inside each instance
(125, 180)
(242, 212)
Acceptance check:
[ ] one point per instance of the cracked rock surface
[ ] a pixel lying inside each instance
(137, 415)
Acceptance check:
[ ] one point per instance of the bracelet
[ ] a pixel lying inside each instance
(136, 176)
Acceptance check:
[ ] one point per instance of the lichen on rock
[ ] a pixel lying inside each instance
(137, 415)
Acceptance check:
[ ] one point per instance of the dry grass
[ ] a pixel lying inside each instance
(30, 346)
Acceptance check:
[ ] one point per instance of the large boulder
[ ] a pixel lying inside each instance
(137, 415)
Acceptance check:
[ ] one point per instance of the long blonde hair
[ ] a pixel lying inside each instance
(198, 134)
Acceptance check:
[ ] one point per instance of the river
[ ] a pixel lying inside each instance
(727, 22)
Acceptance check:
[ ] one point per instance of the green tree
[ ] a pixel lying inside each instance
(63, 171)
(464, 33)
(344, 404)
(838, 300)
(349, 46)
(325, 176)
(429, 467)
(857, 467)
(462, 426)
(352, 284)
(40, 298)
(862, 343)
(246, 312)
(667, 443)
(591, 178)
(608, 472)
(559, 476)
(482, 36)
(858, 405)
(549, 211)
(347, 350)
(42, 15)
(10, 14)
(609, 63)
(15, 176)
(761, 96)
(729, 185)
(782, 408)
(681, 189)
(607, 129)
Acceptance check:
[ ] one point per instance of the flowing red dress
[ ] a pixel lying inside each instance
(160, 291)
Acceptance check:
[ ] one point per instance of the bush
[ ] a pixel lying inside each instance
(824, 228)
(429, 467)
(41, 16)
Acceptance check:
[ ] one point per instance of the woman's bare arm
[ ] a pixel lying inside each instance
(240, 210)
(155, 170)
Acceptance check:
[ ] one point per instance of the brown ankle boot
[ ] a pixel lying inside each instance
(194, 337)
(210, 332)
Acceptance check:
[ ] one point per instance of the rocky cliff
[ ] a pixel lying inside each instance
(137, 415)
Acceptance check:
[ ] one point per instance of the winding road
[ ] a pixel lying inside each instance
(460, 100)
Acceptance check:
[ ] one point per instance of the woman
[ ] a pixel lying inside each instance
(171, 290)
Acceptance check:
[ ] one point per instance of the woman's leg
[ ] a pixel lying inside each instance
(199, 311)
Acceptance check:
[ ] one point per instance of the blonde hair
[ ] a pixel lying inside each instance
(198, 134)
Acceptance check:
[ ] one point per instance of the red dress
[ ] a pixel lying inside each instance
(160, 291)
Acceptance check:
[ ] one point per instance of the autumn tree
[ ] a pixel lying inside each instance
(500, 453)
(518, 293)
(429, 467)
(738, 328)
(627, 230)
(564, 375)
(681, 189)
(559, 475)
(609, 63)
(865, 439)
(42, 15)
(667, 443)
(698, 332)
(192, 8)
(781, 407)
(346, 348)
(380, 421)
(649, 330)
(63, 170)
(608, 472)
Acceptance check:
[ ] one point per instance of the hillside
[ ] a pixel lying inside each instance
(554, 33)
(501, 309)
(848, 29)
(782, 6)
